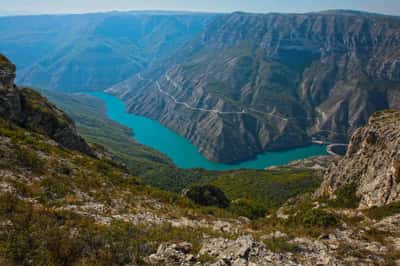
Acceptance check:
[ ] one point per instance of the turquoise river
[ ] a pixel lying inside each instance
(184, 154)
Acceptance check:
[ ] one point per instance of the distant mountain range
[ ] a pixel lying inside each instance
(235, 85)
(92, 51)
(14, 13)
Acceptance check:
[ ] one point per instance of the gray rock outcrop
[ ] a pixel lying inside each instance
(372, 162)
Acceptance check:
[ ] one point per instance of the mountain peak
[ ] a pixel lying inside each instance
(349, 12)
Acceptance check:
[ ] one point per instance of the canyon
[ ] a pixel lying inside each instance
(251, 83)
(234, 85)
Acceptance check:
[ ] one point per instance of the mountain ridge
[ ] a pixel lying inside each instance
(27, 108)
(91, 51)
(325, 74)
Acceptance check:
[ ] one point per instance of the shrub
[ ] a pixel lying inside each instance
(346, 197)
(384, 211)
(49, 237)
(318, 217)
(205, 258)
(64, 170)
(103, 167)
(55, 187)
(208, 195)
(30, 159)
(271, 188)
(279, 245)
(248, 208)
(8, 203)
(22, 189)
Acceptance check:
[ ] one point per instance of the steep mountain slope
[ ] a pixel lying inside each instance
(154, 168)
(372, 163)
(253, 82)
(92, 51)
(28, 109)
(91, 120)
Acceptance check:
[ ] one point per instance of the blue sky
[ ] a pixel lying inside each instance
(262, 6)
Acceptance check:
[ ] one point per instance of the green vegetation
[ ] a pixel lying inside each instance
(252, 192)
(346, 197)
(379, 213)
(70, 209)
(206, 258)
(153, 167)
(269, 189)
(91, 121)
(263, 189)
(304, 213)
(54, 188)
(302, 218)
(30, 159)
(279, 245)
(208, 195)
(248, 208)
(47, 237)
(66, 172)
(175, 179)
(316, 217)
(34, 103)
(39, 231)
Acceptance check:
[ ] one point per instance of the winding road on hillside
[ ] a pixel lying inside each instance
(195, 108)
(188, 106)
(244, 111)
(168, 78)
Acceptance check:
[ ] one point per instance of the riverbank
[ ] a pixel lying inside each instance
(337, 149)
(184, 154)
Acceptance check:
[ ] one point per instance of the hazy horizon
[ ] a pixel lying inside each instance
(390, 7)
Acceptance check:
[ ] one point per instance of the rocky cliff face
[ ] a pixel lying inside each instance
(30, 110)
(251, 83)
(372, 162)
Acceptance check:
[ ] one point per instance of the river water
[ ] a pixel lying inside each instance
(184, 154)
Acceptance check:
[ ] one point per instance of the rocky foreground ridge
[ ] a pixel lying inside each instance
(372, 162)
(255, 82)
